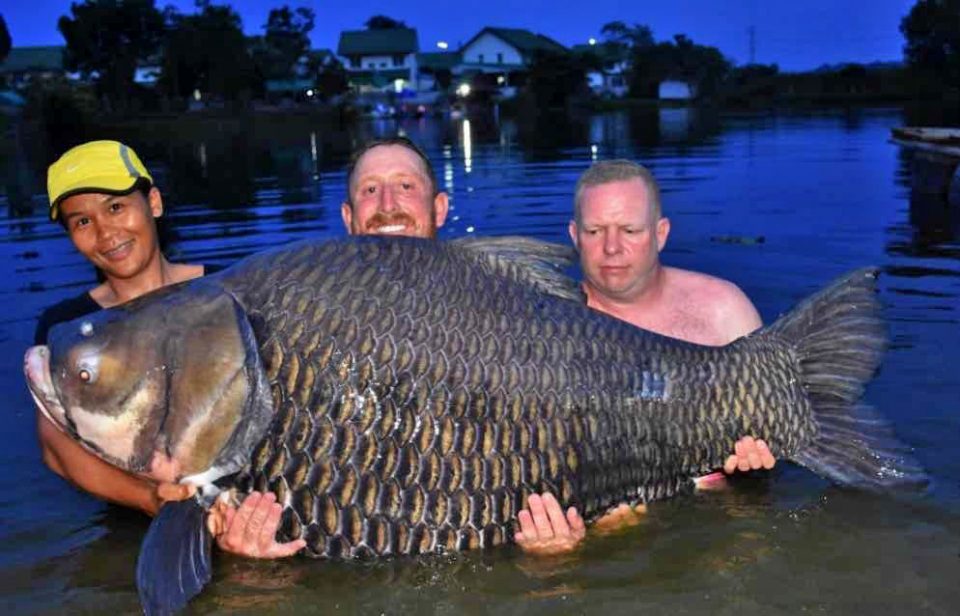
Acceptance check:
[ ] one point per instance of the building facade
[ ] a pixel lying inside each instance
(24, 64)
(380, 60)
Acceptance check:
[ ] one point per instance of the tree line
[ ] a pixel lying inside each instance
(931, 69)
(207, 52)
(202, 52)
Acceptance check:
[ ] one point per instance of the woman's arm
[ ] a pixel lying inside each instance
(249, 531)
(70, 460)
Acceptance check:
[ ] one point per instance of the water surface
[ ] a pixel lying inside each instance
(825, 191)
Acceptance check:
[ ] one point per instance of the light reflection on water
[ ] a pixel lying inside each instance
(827, 193)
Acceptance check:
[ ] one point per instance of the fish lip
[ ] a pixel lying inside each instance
(36, 367)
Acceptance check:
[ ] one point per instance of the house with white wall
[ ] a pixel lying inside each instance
(25, 64)
(496, 59)
(380, 60)
(504, 49)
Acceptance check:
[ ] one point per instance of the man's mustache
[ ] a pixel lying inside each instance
(384, 220)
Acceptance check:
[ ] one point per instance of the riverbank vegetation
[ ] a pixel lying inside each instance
(132, 59)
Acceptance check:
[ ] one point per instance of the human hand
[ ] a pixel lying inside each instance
(251, 529)
(545, 530)
(620, 517)
(163, 493)
(750, 455)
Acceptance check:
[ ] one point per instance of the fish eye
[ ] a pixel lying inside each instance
(87, 375)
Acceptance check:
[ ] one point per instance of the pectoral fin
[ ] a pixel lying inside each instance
(174, 563)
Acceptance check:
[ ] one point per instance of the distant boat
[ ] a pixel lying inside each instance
(936, 166)
(944, 141)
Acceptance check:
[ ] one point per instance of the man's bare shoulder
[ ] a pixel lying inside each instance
(719, 301)
(704, 285)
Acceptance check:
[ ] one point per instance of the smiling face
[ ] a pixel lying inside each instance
(391, 194)
(116, 233)
(619, 238)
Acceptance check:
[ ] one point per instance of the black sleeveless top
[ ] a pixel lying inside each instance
(76, 307)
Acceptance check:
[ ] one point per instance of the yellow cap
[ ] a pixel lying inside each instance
(107, 167)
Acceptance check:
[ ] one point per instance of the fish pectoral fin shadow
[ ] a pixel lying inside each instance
(174, 563)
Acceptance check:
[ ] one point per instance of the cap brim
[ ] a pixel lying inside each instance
(107, 185)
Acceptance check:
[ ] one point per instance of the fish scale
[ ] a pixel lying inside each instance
(458, 326)
(402, 396)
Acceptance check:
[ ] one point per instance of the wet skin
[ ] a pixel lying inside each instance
(619, 237)
(620, 242)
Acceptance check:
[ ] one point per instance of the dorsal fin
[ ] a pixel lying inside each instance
(528, 261)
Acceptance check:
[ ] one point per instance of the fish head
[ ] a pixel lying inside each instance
(168, 386)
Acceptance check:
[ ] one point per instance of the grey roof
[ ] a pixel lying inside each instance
(21, 59)
(524, 41)
(375, 42)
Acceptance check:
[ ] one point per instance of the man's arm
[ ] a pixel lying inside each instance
(248, 531)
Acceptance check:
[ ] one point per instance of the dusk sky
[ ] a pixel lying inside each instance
(797, 35)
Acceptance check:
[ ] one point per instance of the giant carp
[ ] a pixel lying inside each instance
(402, 396)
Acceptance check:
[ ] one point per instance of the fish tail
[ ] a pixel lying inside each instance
(839, 337)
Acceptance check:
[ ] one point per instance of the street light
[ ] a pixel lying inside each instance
(442, 44)
(592, 41)
(464, 90)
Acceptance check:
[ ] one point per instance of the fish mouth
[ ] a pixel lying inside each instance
(36, 367)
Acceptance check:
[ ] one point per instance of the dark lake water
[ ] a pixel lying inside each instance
(827, 193)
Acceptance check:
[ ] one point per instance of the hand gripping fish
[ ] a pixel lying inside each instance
(402, 396)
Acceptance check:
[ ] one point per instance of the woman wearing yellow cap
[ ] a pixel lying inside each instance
(106, 201)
